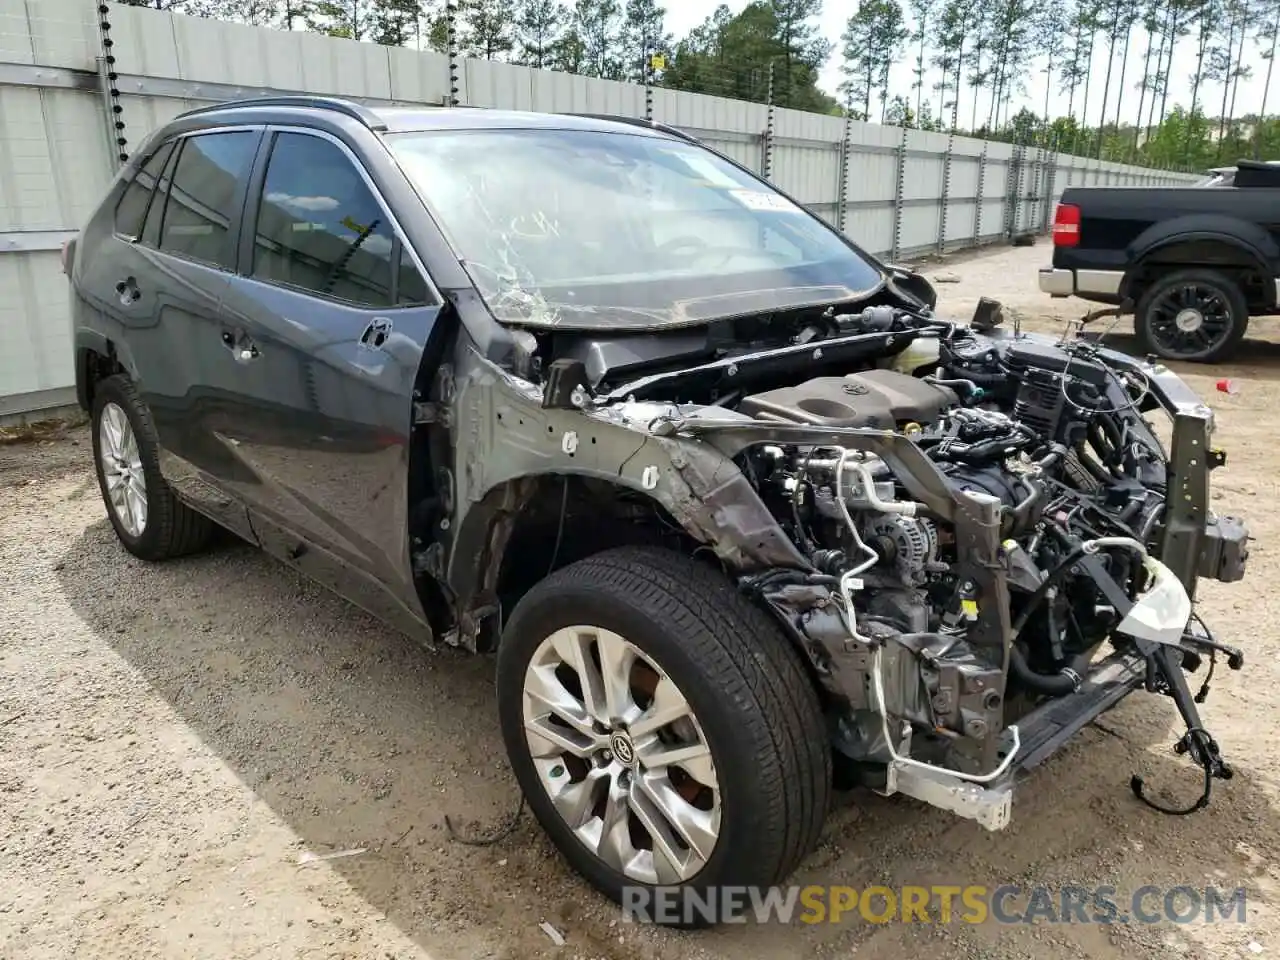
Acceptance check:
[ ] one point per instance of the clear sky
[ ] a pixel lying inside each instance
(682, 15)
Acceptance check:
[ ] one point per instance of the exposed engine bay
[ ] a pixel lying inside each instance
(977, 537)
(1052, 437)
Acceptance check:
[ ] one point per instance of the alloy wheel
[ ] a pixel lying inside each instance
(122, 472)
(1189, 320)
(617, 748)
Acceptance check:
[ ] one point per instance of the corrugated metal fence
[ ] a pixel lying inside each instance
(896, 192)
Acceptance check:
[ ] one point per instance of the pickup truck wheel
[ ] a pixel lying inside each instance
(149, 520)
(1194, 315)
(662, 729)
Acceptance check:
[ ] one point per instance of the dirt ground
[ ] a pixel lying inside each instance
(173, 738)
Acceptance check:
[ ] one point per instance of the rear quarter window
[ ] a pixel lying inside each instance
(131, 211)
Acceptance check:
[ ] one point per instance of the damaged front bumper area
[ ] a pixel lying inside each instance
(965, 758)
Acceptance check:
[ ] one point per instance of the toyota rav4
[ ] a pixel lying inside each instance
(740, 516)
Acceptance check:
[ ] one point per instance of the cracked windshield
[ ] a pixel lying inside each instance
(583, 229)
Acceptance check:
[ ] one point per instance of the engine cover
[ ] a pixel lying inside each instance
(876, 398)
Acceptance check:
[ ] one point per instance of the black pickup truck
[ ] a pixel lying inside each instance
(1192, 263)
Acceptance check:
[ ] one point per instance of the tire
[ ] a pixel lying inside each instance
(168, 528)
(755, 712)
(1209, 299)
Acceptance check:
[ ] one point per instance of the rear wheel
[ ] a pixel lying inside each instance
(661, 728)
(149, 520)
(1194, 315)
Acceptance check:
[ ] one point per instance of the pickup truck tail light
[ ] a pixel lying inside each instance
(1066, 225)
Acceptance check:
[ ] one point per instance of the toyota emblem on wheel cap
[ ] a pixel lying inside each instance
(622, 749)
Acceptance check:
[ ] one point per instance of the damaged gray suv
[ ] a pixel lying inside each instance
(742, 518)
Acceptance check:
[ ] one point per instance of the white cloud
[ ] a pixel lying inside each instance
(303, 203)
(377, 243)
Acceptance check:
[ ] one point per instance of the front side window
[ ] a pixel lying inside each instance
(206, 184)
(606, 230)
(321, 229)
(132, 208)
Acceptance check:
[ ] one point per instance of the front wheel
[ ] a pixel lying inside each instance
(1193, 315)
(662, 729)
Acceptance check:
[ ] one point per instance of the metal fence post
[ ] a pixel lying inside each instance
(1013, 183)
(107, 77)
(982, 181)
(648, 86)
(1029, 191)
(766, 165)
(1051, 185)
(897, 194)
(946, 193)
(842, 199)
(451, 50)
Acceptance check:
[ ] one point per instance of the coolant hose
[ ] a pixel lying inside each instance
(983, 379)
(1067, 679)
(1059, 684)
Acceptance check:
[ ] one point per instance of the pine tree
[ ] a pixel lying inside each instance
(487, 27)
(257, 13)
(732, 55)
(569, 52)
(196, 8)
(872, 43)
(1075, 71)
(1012, 42)
(340, 18)
(644, 33)
(1051, 30)
(802, 49)
(980, 28)
(538, 27)
(598, 25)
(1152, 23)
(1205, 15)
(1116, 20)
(1224, 66)
(922, 13)
(1268, 39)
(954, 27)
(395, 23)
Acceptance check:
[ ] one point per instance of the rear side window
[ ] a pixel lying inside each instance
(206, 183)
(322, 230)
(132, 208)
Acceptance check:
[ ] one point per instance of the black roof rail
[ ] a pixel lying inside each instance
(336, 104)
(638, 122)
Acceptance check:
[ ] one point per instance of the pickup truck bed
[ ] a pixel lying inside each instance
(1192, 263)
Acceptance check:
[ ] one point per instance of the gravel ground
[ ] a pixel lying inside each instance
(174, 737)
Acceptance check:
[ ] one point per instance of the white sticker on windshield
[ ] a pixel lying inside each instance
(705, 169)
(759, 200)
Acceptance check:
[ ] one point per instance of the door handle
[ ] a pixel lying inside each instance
(241, 345)
(128, 292)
